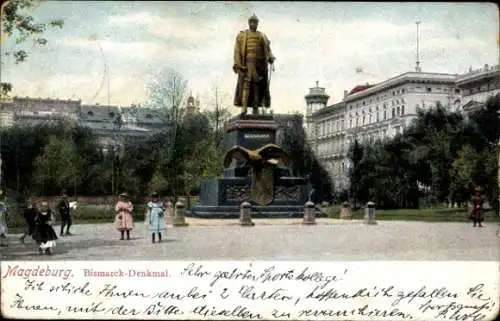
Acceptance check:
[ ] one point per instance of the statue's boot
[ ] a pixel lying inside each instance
(255, 110)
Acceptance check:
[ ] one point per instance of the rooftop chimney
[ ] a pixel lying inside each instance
(345, 93)
(485, 66)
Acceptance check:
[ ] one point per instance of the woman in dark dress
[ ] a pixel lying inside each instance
(44, 234)
(477, 214)
(29, 214)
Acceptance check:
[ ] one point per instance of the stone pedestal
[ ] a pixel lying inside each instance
(179, 216)
(370, 214)
(345, 211)
(246, 214)
(222, 197)
(309, 214)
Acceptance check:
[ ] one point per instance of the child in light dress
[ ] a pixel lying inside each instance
(124, 220)
(155, 217)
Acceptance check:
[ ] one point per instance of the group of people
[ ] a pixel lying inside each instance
(156, 212)
(39, 219)
(39, 223)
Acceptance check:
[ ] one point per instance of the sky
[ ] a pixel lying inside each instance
(312, 41)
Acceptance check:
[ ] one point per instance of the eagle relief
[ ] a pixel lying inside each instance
(262, 163)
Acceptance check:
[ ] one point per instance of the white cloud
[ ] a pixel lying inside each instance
(307, 49)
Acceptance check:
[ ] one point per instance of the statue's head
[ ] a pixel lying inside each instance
(253, 22)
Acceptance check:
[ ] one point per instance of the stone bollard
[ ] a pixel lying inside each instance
(309, 214)
(370, 213)
(246, 214)
(169, 214)
(180, 212)
(345, 211)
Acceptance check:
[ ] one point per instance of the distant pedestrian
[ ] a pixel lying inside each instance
(169, 209)
(63, 207)
(124, 220)
(3, 220)
(44, 234)
(30, 213)
(477, 213)
(155, 217)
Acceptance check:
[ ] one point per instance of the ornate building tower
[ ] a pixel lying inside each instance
(316, 99)
(190, 107)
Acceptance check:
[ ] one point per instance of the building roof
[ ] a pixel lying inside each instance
(359, 88)
(144, 115)
(99, 113)
(330, 109)
(406, 77)
(479, 74)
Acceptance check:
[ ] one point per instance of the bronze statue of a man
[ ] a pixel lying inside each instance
(252, 54)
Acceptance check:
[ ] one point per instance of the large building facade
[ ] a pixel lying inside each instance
(112, 125)
(383, 110)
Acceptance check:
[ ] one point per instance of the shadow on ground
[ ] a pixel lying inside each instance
(16, 250)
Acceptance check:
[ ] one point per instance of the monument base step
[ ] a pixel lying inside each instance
(233, 212)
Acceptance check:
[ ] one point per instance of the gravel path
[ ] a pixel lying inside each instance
(283, 239)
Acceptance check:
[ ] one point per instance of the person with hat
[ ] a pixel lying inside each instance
(44, 234)
(123, 219)
(477, 213)
(155, 217)
(3, 219)
(252, 54)
(30, 213)
(64, 213)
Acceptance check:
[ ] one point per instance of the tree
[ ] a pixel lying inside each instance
(355, 154)
(219, 115)
(57, 165)
(304, 161)
(19, 26)
(167, 91)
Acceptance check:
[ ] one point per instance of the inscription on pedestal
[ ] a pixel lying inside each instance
(257, 136)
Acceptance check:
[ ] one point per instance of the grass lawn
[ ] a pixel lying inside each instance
(94, 214)
(429, 215)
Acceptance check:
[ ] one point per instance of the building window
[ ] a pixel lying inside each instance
(403, 110)
(378, 118)
(403, 90)
(111, 114)
(385, 114)
(457, 91)
(350, 123)
(90, 113)
(363, 119)
(393, 112)
(429, 89)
